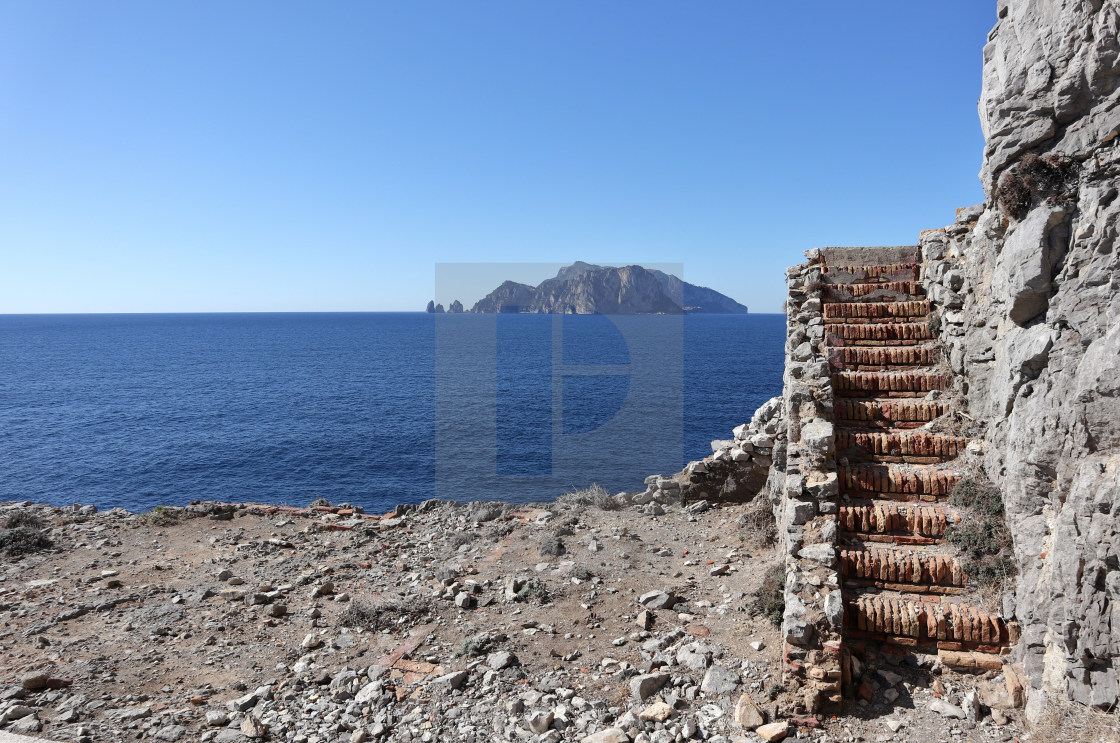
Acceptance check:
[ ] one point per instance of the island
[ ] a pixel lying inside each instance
(589, 289)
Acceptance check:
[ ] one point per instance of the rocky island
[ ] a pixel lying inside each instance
(588, 289)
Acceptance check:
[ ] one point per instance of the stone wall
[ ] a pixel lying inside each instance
(804, 488)
(1028, 293)
(735, 472)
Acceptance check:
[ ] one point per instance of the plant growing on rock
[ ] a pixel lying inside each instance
(23, 533)
(552, 545)
(23, 540)
(479, 644)
(1051, 178)
(23, 518)
(163, 516)
(982, 536)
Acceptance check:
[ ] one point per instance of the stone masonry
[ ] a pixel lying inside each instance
(863, 495)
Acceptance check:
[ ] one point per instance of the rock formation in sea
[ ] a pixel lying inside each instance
(584, 289)
(434, 308)
(456, 307)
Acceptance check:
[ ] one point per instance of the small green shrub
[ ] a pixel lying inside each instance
(532, 589)
(23, 540)
(552, 545)
(162, 516)
(479, 644)
(24, 518)
(978, 495)
(768, 599)
(982, 536)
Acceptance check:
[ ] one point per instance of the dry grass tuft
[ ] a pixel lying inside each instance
(758, 525)
(594, 495)
(388, 614)
(1065, 720)
(1049, 178)
(769, 599)
(483, 511)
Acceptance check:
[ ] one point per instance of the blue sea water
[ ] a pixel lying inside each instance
(141, 410)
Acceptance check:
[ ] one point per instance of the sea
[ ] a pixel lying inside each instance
(371, 409)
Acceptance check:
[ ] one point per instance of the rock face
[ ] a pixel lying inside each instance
(1028, 289)
(434, 308)
(456, 307)
(586, 289)
(1024, 299)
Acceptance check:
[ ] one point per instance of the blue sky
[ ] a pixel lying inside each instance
(280, 156)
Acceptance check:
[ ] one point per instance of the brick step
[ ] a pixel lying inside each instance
(896, 523)
(897, 413)
(888, 446)
(878, 334)
(910, 569)
(965, 661)
(926, 621)
(844, 357)
(864, 274)
(908, 482)
(881, 291)
(874, 310)
(870, 383)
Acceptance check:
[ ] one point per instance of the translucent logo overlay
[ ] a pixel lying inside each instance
(529, 405)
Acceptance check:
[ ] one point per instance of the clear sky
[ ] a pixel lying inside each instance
(261, 156)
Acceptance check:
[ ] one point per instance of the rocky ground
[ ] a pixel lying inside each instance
(447, 622)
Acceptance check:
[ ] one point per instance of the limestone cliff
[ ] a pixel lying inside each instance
(1028, 287)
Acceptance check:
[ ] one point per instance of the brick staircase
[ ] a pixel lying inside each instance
(902, 583)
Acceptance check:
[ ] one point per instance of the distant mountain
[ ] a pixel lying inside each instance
(587, 289)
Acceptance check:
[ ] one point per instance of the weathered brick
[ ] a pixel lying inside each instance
(890, 381)
(886, 291)
(914, 308)
(855, 274)
(908, 444)
(843, 356)
(900, 331)
(923, 620)
(896, 479)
